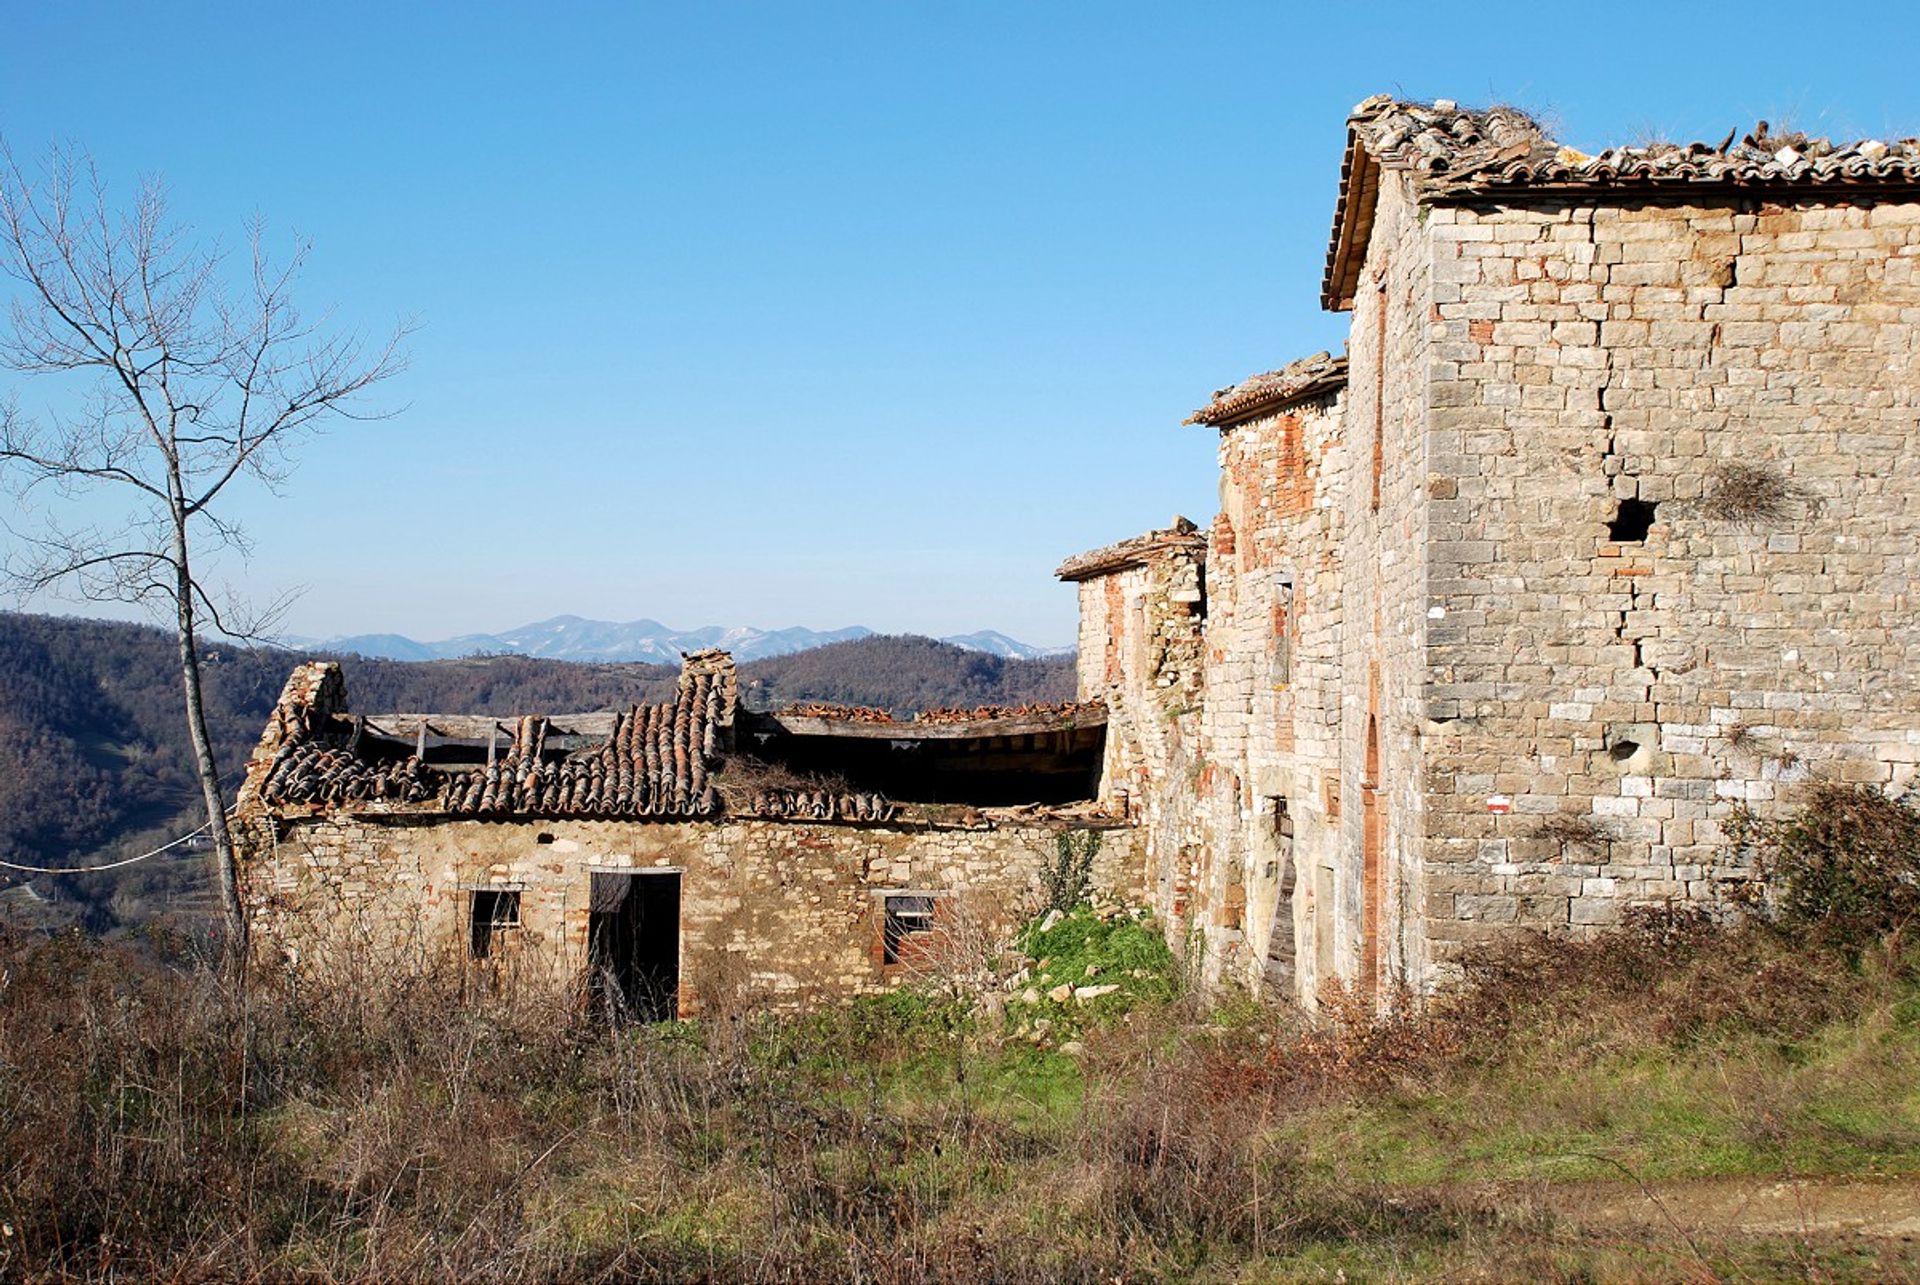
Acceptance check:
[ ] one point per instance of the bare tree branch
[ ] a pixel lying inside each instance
(174, 383)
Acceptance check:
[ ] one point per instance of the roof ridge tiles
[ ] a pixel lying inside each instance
(1296, 382)
(1454, 153)
(1182, 535)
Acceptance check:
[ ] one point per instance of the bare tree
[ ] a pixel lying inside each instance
(183, 374)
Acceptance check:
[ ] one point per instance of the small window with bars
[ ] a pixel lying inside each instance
(907, 916)
(492, 910)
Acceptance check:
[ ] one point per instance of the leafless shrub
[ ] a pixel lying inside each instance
(746, 778)
(1752, 493)
(1575, 832)
(1739, 736)
(1667, 976)
(1357, 1041)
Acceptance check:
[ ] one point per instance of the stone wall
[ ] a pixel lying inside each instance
(1270, 720)
(1142, 605)
(1379, 929)
(1623, 694)
(773, 913)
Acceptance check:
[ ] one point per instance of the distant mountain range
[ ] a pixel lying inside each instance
(94, 762)
(575, 638)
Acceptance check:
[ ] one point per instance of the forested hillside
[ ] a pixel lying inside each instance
(98, 765)
(903, 673)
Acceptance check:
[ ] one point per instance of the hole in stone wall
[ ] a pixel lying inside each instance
(1632, 521)
(1623, 749)
(543, 837)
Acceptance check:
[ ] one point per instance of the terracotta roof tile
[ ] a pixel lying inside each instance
(1182, 535)
(657, 763)
(1455, 153)
(1295, 382)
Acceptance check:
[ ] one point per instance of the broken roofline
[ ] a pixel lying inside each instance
(1307, 379)
(1458, 156)
(1141, 549)
(1011, 723)
(651, 761)
(402, 728)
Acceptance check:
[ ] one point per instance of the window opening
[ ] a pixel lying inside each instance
(1631, 521)
(906, 916)
(1283, 628)
(1379, 392)
(492, 909)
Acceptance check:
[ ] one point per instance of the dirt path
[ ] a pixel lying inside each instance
(1886, 1208)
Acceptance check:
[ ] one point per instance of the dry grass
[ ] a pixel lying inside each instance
(400, 1122)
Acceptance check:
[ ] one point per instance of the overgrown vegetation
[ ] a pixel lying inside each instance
(1068, 879)
(1845, 867)
(1567, 1112)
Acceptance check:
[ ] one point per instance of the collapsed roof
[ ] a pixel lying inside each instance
(1181, 536)
(698, 755)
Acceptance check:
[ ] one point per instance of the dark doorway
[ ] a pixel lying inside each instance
(633, 944)
(1280, 943)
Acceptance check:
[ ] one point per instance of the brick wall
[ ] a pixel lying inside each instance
(1270, 715)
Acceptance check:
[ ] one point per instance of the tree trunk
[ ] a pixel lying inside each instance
(226, 867)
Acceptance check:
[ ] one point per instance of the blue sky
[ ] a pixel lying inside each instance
(820, 314)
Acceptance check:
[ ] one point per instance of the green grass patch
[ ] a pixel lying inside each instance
(1843, 1101)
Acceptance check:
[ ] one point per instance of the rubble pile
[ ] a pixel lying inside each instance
(821, 805)
(839, 713)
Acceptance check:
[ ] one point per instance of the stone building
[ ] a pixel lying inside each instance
(1603, 526)
(672, 856)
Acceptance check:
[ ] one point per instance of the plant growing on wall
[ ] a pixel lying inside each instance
(1572, 832)
(1753, 493)
(1068, 879)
